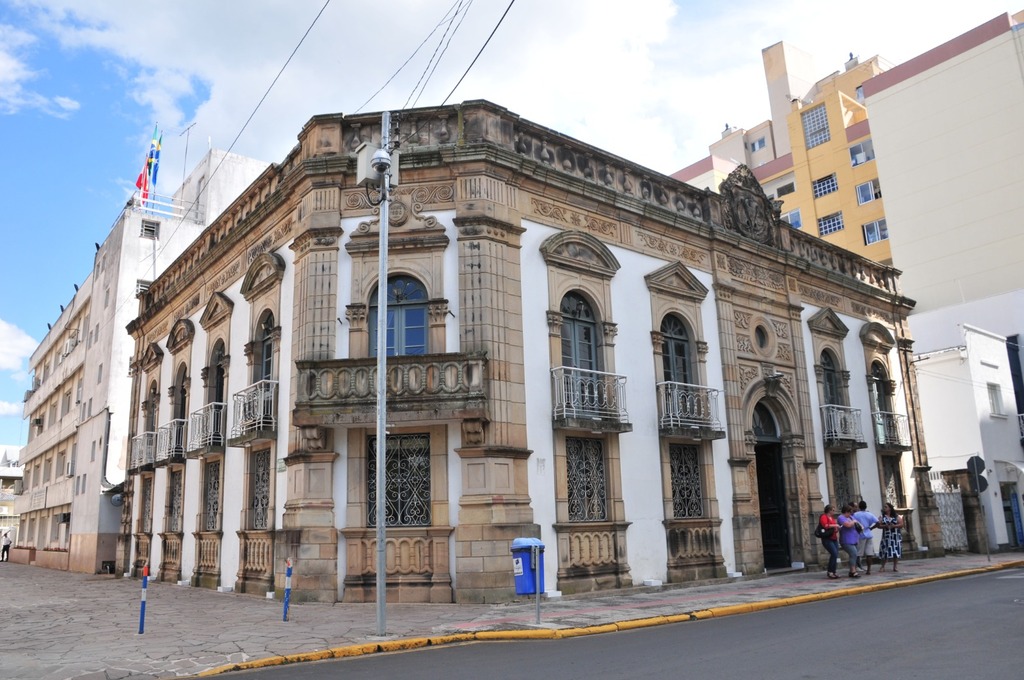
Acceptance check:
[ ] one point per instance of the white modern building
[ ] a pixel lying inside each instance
(10, 486)
(78, 405)
(946, 127)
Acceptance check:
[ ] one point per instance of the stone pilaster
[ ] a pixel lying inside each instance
(494, 506)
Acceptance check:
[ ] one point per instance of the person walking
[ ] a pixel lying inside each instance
(892, 537)
(5, 552)
(849, 536)
(830, 541)
(866, 545)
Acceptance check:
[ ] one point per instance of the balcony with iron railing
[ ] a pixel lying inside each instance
(436, 386)
(170, 441)
(255, 414)
(892, 431)
(143, 452)
(206, 429)
(686, 410)
(842, 427)
(1020, 427)
(591, 400)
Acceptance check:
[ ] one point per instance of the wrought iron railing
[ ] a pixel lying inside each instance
(143, 450)
(892, 430)
(841, 423)
(206, 426)
(1020, 424)
(593, 395)
(170, 440)
(173, 524)
(255, 408)
(685, 405)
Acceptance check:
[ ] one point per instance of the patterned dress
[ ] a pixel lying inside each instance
(892, 538)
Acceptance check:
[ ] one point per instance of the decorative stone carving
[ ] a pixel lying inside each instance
(472, 432)
(749, 211)
(314, 437)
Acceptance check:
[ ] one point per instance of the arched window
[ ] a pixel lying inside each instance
(579, 332)
(830, 379)
(180, 408)
(264, 364)
(407, 318)
(677, 357)
(217, 377)
(764, 425)
(152, 408)
(881, 400)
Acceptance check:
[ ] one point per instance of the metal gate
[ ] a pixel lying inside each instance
(951, 513)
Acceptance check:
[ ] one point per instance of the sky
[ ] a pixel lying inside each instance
(84, 82)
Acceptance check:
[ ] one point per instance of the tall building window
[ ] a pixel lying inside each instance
(676, 358)
(830, 379)
(862, 152)
(259, 490)
(825, 185)
(875, 231)
(995, 399)
(407, 318)
(793, 218)
(830, 223)
(407, 469)
(586, 480)
(579, 332)
(687, 490)
(757, 144)
(868, 191)
(815, 123)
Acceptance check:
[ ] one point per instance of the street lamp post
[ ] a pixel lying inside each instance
(382, 164)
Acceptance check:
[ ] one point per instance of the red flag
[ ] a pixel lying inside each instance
(144, 182)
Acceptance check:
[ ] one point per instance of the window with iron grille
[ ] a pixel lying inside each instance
(407, 481)
(687, 490)
(875, 231)
(584, 460)
(892, 481)
(842, 489)
(825, 185)
(830, 223)
(259, 502)
(815, 123)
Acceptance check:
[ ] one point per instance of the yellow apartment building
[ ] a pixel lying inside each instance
(815, 156)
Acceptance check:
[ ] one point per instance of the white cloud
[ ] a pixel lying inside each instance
(8, 409)
(15, 347)
(15, 74)
(651, 80)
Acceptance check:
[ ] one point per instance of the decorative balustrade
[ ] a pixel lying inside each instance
(681, 405)
(170, 440)
(206, 426)
(842, 423)
(345, 390)
(173, 524)
(255, 409)
(892, 430)
(143, 450)
(589, 395)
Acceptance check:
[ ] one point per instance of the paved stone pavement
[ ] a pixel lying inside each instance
(59, 625)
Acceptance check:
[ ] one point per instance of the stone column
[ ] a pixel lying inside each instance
(494, 506)
(308, 535)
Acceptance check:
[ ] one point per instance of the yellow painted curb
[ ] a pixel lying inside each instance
(589, 630)
(525, 634)
(642, 623)
(731, 609)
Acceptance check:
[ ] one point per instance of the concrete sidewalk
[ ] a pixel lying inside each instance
(60, 625)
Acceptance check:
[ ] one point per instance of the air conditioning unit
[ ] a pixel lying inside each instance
(859, 158)
(69, 469)
(38, 422)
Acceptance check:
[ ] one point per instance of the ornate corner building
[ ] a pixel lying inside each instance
(659, 382)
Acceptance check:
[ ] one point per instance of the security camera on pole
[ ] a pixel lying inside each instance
(376, 170)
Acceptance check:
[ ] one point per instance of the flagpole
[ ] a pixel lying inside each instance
(184, 162)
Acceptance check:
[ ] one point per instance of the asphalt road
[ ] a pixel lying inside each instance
(960, 628)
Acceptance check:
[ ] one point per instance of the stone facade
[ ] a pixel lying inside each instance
(640, 373)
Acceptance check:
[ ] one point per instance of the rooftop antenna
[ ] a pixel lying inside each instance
(184, 162)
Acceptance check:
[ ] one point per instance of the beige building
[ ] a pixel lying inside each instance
(815, 156)
(77, 408)
(661, 383)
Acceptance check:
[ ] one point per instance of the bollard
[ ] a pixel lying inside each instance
(535, 560)
(287, 587)
(142, 608)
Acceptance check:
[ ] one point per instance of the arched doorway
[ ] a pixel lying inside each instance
(771, 489)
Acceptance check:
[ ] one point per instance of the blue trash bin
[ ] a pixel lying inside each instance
(523, 567)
